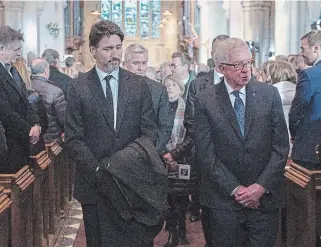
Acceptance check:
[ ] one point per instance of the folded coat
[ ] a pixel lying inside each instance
(134, 180)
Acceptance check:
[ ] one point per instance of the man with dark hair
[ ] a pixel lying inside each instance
(305, 112)
(60, 79)
(211, 64)
(136, 59)
(110, 114)
(16, 114)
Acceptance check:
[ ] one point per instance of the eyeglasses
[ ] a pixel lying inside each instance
(173, 65)
(239, 65)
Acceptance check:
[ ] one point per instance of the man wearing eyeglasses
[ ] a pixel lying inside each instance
(241, 143)
(180, 66)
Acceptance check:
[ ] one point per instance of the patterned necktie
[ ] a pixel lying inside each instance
(239, 110)
(109, 97)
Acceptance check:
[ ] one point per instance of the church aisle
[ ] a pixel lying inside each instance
(73, 234)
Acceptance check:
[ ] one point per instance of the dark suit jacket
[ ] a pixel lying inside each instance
(305, 115)
(59, 79)
(139, 187)
(17, 117)
(89, 128)
(227, 159)
(162, 110)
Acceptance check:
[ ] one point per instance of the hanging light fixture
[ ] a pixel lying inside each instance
(96, 11)
(167, 13)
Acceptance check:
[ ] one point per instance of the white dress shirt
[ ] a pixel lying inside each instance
(232, 96)
(113, 82)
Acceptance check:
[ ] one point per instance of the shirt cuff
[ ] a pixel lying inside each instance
(234, 190)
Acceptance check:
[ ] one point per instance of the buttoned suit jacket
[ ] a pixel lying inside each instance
(17, 117)
(227, 159)
(89, 125)
(305, 115)
(162, 110)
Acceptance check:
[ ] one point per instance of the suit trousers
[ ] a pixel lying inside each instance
(91, 223)
(242, 228)
(117, 232)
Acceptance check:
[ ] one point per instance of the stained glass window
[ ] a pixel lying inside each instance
(144, 19)
(130, 18)
(106, 9)
(148, 19)
(156, 18)
(67, 19)
(117, 13)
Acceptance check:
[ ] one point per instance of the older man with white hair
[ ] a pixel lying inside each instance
(136, 59)
(241, 142)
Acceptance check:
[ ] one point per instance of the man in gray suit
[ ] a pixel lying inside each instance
(136, 59)
(107, 109)
(241, 142)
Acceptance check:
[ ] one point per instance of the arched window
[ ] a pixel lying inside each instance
(138, 19)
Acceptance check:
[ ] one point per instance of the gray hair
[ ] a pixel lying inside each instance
(222, 54)
(51, 56)
(69, 61)
(134, 48)
(9, 35)
(38, 66)
(314, 37)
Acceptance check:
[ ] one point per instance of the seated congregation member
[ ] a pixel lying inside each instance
(19, 119)
(35, 100)
(59, 79)
(110, 116)
(179, 189)
(282, 75)
(53, 98)
(242, 145)
(71, 67)
(136, 60)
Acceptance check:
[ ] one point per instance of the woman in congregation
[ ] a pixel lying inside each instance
(179, 187)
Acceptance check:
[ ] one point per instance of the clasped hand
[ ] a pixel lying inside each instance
(249, 196)
(34, 134)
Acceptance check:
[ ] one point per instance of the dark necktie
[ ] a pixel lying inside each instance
(109, 98)
(239, 110)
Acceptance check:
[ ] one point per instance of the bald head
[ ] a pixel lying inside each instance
(40, 67)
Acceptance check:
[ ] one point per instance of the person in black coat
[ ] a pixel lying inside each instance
(16, 114)
(107, 109)
(136, 59)
(60, 79)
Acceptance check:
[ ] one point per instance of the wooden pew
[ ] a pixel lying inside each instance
(19, 187)
(304, 206)
(40, 165)
(5, 203)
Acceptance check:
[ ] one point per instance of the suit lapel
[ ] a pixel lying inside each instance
(9, 79)
(225, 102)
(123, 95)
(97, 90)
(249, 107)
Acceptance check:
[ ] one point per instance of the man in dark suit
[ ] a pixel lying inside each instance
(107, 109)
(136, 59)
(305, 112)
(16, 114)
(241, 147)
(60, 79)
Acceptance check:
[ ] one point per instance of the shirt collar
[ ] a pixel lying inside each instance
(316, 61)
(102, 75)
(185, 81)
(230, 89)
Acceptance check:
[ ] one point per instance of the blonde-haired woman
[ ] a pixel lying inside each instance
(179, 189)
(283, 76)
(22, 75)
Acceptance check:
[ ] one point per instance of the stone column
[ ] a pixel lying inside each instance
(236, 20)
(12, 14)
(29, 28)
(213, 23)
(257, 26)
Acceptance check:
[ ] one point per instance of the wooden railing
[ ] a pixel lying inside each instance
(35, 201)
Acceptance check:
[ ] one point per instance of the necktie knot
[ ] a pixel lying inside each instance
(236, 93)
(108, 77)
